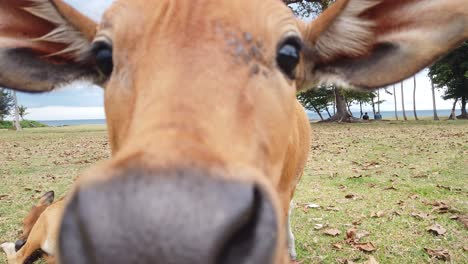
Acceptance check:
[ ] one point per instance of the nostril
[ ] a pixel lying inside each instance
(253, 239)
(19, 244)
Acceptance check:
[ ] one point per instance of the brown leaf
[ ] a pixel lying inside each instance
(357, 222)
(367, 247)
(440, 253)
(351, 234)
(437, 229)
(318, 226)
(361, 234)
(464, 220)
(420, 215)
(332, 208)
(414, 196)
(332, 232)
(337, 246)
(393, 188)
(3, 196)
(371, 260)
(377, 214)
(342, 187)
(351, 196)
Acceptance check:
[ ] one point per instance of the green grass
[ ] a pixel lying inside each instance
(360, 159)
(24, 124)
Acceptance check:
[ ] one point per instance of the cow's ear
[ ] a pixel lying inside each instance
(373, 43)
(44, 44)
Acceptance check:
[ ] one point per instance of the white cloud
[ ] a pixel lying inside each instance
(65, 113)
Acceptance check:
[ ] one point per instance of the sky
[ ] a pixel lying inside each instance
(85, 101)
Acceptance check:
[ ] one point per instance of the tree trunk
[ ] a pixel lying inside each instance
(463, 115)
(436, 117)
(342, 114)
(373, 106)
(16, 121)
(453, 115)
(396, 108)
(378, 101)
(360, 107)
(403, 102)
(414, 99)
(318, 113)
(328, 112)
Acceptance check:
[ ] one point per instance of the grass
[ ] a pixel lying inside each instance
(24, 124)
(392, 169)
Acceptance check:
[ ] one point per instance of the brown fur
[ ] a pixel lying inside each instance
(181, 96)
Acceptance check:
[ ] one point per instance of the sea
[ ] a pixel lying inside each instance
(312, 116)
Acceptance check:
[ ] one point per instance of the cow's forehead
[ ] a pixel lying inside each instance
(266, 19)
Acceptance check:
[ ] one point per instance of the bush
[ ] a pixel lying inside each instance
(24, 124)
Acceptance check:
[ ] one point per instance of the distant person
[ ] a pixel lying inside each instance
(378, 116)
(365, 116)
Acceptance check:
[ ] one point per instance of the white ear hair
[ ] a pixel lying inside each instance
(349, 33)
(64, 33)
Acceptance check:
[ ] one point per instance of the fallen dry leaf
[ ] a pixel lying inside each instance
(393, 188)
(332, 208)
(461, 218)
(371, 260)
(318, 226)
(367, 247)
(332, 232)
(361, 234)
(3, 196)
(414, 196)
(350, 234)
(312, 206)
(442, 254)
(420, 215)
(337, 246)
(437, 229)
(377, 214)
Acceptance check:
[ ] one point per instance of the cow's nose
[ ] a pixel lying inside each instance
(19, 244)
(172, 217)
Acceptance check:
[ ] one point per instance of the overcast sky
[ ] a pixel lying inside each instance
(85, 101)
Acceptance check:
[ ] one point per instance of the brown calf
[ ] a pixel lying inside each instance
(208, 139)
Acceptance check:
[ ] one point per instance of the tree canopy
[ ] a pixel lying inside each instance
(451, 74)
(6, 103)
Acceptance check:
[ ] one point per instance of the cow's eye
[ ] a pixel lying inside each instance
(103, 55)
(288, 56)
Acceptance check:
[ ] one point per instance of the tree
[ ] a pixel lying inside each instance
(394, 98)
(403, 102)
(436, 117)
(316, 100)
(15, 107)
(414, 98)
(6, 103)
(451, 74)
(22, 111)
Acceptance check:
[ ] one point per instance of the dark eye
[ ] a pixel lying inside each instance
(288, 56)
(103, 55)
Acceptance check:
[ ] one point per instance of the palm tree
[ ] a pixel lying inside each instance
(436, 117)
(16, 121)
(403, 102)
(414, 98)
(396, 108)
(22, 111)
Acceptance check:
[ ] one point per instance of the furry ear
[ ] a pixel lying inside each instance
(373, 43)
(47, 198)
(44, 44)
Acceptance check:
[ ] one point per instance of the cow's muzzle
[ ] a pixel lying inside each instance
(172, 217)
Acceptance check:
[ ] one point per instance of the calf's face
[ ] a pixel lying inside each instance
(200, 103)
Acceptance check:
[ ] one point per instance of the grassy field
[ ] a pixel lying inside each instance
(369, 190)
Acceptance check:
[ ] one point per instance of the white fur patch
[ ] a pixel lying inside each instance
(64, 33)
(9, 249)
(48, 247)
(291, 239)
(348, 34)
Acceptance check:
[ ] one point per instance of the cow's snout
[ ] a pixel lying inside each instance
(175, 217)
